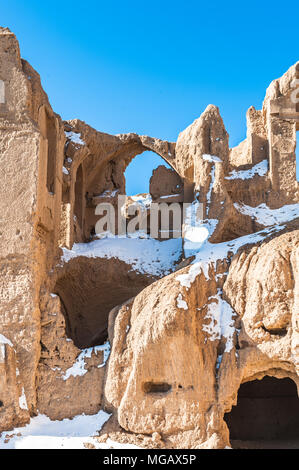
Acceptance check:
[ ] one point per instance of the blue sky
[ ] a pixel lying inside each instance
(153, 67)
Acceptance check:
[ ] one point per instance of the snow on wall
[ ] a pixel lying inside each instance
(209, 253)
(23, 401)
(145, 255)
(3, 341)
(266, 216)
(260, 169)
(78, 368)
(181, 303)
(74, 137)
(220, 314)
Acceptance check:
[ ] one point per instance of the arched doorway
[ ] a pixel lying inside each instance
(267, 412)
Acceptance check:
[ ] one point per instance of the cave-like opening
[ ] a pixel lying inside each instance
(267, 411)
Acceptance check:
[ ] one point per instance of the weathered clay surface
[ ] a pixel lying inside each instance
(89, 289)
(183, 344)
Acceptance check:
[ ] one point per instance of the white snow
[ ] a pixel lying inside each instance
(211, 252)
(196, 234)
(196, 231)
(258, 169)
(265, 216)
(108, 193)
(65, 171)
(42, 433)
(144, 200)
(209, 194)
(75, 137)
(195, 269)
(78, 368)
(220, 314)
(4, 340)
(23, 401)
(146, 255)
(141, 201)
(169, 195)
(181, 303)
(211, 158)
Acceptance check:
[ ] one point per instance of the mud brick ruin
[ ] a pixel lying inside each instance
(181, 343)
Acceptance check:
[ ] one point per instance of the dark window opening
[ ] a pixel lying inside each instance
(158, 387)
(78, 209)
(1, 403)
(51, 160)
(267, 410)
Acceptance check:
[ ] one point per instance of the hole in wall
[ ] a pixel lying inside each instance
(51, 159)
(1, 403)
(275, 331)
(138, 173)
(266, 410)
(78, 209)
(156, 387)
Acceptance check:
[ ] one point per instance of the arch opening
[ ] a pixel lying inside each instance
(150, 179)
(139, 171)
(267, 413)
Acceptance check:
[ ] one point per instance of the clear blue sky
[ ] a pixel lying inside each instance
(152, 67)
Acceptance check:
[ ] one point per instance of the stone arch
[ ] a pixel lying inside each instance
(106, 174)
(267, 410)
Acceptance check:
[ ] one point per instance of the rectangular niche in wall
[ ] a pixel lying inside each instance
(2, 92)
(51, 136)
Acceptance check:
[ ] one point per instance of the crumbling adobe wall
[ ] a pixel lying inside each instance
(171, 373)
(30, 214)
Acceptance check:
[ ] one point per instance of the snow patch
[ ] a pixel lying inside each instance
(74, 137)
(258, 169)
(78, 368)
(266, 216)
(108, 193)
(144, 200)
(209, 194)
(42, 433)
(211, 158)
(23, 401)
(209, 253)
(181, 303)
(145, 255)
(4, 340)
(220, 314)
